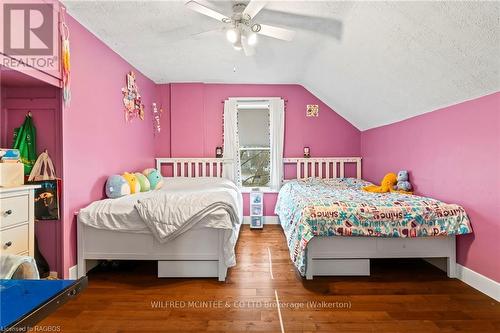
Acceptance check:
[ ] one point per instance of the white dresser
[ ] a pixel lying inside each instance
(17, 214)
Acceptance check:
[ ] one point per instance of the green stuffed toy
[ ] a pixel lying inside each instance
(143, 182)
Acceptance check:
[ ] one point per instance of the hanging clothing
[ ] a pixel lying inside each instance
(25, 142)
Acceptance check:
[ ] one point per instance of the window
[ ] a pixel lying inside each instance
(254, 145)
(253, 141)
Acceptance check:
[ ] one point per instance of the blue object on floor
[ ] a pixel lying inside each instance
(21, 298)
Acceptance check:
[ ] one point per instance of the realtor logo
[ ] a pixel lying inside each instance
(28, 29)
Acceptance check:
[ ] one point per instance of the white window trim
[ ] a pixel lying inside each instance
(266, 100)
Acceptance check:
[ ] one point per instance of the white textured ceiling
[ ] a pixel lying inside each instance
(376, 63)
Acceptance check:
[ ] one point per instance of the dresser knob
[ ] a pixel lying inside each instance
(8, 244)
(8, 212)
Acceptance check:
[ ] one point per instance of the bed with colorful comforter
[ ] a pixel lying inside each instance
(339, 207)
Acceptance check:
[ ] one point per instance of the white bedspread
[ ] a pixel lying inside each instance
(182, 204)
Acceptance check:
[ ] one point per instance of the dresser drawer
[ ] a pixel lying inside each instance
(14, 210)
(14, 240)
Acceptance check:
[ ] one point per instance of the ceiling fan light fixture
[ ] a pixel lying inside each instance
(252, 39)
(256, 27)
(237, 46)
(233, 35)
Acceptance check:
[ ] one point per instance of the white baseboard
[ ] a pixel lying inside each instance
(267, 220)
(477, 281)
(480, 282)
(73, 272)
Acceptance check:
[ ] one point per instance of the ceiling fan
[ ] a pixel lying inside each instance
(241, 29)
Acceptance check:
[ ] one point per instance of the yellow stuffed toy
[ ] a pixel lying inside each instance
(387, 185)
(135, 187)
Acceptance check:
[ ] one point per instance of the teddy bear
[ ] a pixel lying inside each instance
(403, 183)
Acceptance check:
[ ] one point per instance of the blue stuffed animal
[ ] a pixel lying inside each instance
(403, 183)
(117, 186)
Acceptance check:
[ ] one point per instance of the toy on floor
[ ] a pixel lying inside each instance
(117, 186)
(154, 177)
(387, 184)
(132, 181)
(403, 183)
(143, 182)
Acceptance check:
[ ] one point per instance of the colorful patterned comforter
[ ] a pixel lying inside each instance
(339, 207)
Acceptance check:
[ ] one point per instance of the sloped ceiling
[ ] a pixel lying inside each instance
(375, 62)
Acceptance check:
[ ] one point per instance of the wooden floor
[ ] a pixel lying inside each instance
(399, 296)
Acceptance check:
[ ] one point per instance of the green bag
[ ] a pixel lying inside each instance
(25, 141)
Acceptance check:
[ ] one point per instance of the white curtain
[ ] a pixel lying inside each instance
(232, 168)
(277, 122)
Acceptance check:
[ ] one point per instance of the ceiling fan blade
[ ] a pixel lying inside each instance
(249, 50)
(276, 32)
(208, 33)
(253, 8)
(197, 7)
(331, 27)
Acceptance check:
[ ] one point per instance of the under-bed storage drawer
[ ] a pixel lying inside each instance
(341, 267)
(422, 246)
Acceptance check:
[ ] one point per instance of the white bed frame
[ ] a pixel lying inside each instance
(195, 253)
(338, 255)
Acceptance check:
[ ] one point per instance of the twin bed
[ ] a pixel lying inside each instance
(193, 236)
(332, 227)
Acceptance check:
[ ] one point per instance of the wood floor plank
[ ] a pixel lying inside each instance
(399, 296)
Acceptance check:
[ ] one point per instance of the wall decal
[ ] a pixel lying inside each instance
(156, 118)
(312, 110)
(66, 64)
(132, 99)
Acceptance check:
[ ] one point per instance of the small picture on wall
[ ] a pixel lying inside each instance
(312, 110)
(256, 210)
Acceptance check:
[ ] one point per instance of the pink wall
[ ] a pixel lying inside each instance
(453, 154)
(196, 111)
(44, 103)
(97, 141)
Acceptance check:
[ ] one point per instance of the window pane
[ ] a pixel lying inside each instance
(253, 128)
(255, 167)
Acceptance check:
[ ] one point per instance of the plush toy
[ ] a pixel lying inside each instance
(117, 186)
(387, 184)
(403, 183)
(154, 177)
(143, 182)
(133, 183)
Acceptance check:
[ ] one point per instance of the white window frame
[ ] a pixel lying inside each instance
(255, 103)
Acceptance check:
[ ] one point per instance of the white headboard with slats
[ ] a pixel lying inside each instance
(193, 167)
(323, 167)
